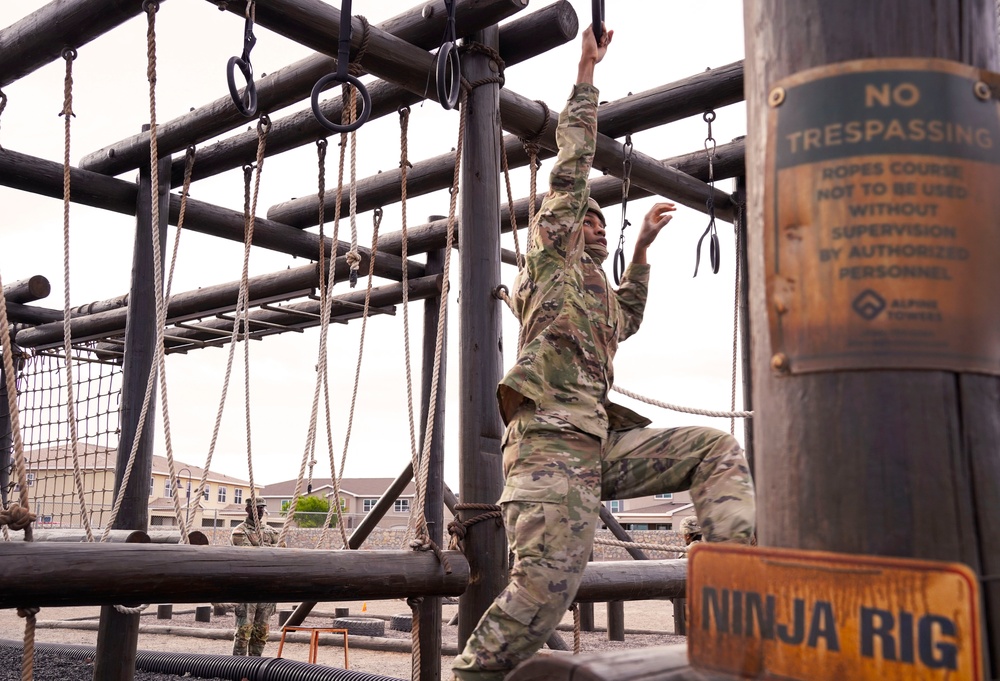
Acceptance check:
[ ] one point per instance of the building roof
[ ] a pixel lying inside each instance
(666, 509)
(98, 458)
(355, 487)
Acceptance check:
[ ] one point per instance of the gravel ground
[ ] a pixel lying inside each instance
(648, 623)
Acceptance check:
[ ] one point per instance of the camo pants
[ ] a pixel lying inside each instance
(251, 627)
(556, 477)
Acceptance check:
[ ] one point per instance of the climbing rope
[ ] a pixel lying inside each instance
(28, 653)
(321, 146)
(458, 528)
(243, 312)
(404, 166)
(15, 516)
(67, 113)
(322, 383)
(353, 257)
(376, 222)
(422, 542)
(685, 410)
(640, 545)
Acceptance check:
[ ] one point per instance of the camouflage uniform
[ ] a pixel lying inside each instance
(567, 446)
(252, 618)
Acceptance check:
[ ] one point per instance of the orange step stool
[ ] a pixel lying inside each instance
(314, 640)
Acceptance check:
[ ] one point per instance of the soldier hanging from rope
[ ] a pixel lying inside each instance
(567, 446)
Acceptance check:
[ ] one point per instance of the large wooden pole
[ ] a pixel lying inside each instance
(886, 462)
(481, 335)
(118, 634)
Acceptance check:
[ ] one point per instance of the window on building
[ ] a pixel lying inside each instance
(665, 496)
(401, 506)
(222, 495)
(368, 504)
(616, 506)
(168, 490)
(31, 478)
(205, 493)
(237, 496)
(152, 481)
(343, 505)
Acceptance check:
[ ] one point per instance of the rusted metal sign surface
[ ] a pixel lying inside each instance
(882, 218)
(816, 616)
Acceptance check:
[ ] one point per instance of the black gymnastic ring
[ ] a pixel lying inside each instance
(449, 80)
(251, 90)
(366, 102)
(597, 19)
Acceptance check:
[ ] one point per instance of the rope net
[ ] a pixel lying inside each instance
(41, 398)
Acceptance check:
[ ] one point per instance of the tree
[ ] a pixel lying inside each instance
(311, 512)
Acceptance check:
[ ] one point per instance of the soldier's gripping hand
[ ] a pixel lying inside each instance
(655, 220)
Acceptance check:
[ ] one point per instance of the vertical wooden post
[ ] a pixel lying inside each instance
(430, 609)
(480, 358)
(118, 633)
(885, 462)
(616, 620)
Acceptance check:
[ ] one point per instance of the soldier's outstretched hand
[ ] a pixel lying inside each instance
(655, 220)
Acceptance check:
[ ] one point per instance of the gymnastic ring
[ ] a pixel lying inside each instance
(597, 16)
(250, 107)
(366, 102)
(449, 75)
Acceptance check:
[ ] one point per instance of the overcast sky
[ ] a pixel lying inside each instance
(682, 355)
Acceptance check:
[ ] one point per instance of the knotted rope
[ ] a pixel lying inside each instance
(458, 528)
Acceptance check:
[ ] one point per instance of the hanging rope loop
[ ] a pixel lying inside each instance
(247, 104)
(619, 261)
(714, 251)
(448, 67)
(343, 75)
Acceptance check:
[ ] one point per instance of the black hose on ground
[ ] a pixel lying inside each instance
(216, 666)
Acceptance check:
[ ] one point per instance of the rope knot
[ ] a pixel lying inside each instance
(17, 517)
(28, 612)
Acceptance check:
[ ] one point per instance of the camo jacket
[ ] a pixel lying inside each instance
(571, 318)
(246, 535)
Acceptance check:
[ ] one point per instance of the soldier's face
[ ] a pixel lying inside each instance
(593, 230)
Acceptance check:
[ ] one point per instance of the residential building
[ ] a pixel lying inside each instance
(358, 496)
(659, 512)
(55, 496)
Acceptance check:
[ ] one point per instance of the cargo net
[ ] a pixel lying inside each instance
(41, 399)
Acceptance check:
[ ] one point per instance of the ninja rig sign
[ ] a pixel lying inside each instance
(882, 218)
(814, 616)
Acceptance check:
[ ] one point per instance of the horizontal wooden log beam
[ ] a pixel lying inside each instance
(633, 580)
(18, 313)
(689, 96)
(109, 574)
(40, 176)
(40, 37)
(106, 574)
(290, 84)
(524, 118)
(606, 190)
(70, 535)
(521, 39)
(221, 299)
(27, 290)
